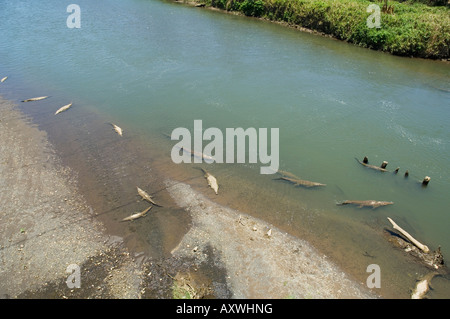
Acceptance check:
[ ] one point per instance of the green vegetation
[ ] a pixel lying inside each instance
(179, 292)
(185, 287)
(419, 28)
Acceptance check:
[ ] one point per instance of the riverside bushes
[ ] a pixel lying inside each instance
(412, 28)
(252, 8)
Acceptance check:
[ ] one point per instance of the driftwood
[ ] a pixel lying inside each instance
(423, 247)
(433, 259)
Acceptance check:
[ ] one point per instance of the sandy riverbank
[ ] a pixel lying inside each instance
(259, 263)
(46, 225)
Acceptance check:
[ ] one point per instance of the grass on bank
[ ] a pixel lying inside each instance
(409, 28)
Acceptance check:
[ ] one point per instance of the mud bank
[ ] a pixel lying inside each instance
(259, 263)
(47, 224)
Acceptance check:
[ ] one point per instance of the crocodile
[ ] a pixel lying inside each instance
(366, 203)
(137, 215)
(300, 182)
(35, 99)
(64, 108)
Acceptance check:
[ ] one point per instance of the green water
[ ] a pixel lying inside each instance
(152, 66)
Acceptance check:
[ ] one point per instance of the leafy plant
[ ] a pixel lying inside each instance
(253, 8)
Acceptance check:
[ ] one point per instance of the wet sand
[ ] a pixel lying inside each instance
(45, 225)
(52, 216)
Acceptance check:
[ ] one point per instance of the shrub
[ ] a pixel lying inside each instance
(253, 8)
(414, 29)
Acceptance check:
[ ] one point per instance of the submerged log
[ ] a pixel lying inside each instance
(372, 166)
(426, 180)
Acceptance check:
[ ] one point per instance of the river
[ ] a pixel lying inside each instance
(154, 66)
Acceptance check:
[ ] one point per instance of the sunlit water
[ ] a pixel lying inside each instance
(153, 66)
